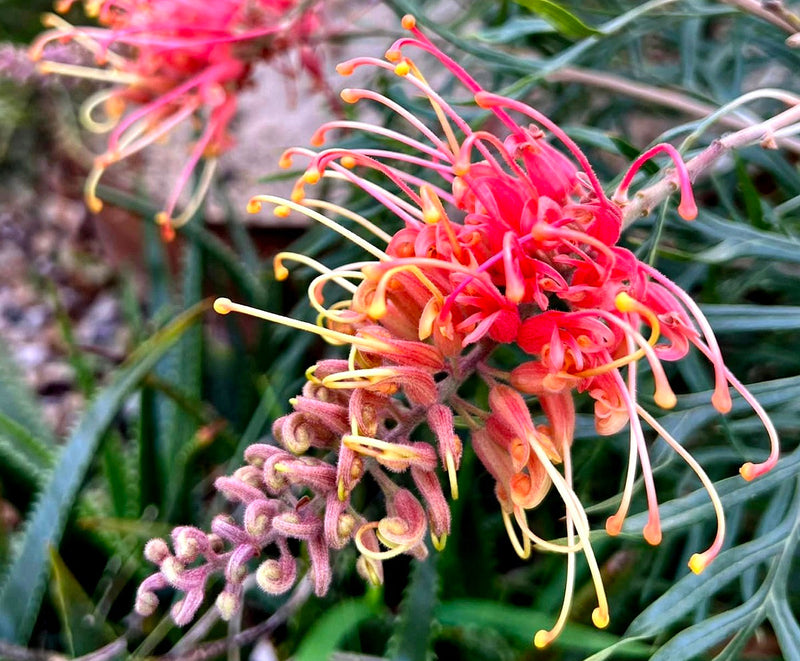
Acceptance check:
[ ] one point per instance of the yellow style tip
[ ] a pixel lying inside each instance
(698, 562)
(298, 193)
(614, 525)
(431, 216)
(748, 471)
(285, 161)
(253, 206)
(95, 205)
(345, 69)
(439, 543)
(666, 399)
(600, 617)
(377, 309)
(485, 100)
(687, 210)
(402, 69)
(409, 22)
(223, 306)
(542, 639)
(349, 95)
(652, 534)
(282, 211)
(721, 400)
(624, 302)
(461, 168)
(312, 176)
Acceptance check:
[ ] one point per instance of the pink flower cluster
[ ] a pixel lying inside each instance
(505, 240)
(172, 61)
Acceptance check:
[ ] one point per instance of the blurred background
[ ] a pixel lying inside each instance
(121, 400)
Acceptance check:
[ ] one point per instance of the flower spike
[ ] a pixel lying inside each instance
(503, 241)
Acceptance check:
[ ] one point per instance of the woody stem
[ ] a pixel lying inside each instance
(645, 200)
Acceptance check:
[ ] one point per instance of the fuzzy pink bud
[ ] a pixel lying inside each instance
(277, 576)
(156, 550)
(227, 604)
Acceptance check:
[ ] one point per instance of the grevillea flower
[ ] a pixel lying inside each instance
(505, 239)
(171, 61)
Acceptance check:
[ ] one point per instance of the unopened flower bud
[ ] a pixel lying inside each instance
(156, 550)
(172, 568)
(277, 576)
(216, 543)
(227, 605)
(146, 603)
(345, 526)
(187, 544)
(268, 573)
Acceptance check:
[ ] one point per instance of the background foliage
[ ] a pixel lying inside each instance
(195, 390)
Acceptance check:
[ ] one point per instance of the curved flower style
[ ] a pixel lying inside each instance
(504, 240)
(173, 61)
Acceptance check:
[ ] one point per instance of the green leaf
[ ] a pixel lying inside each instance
(24, 442)
(339, 620)
(693, 641)
(747, 318)
(82, 631)
(681, 512)
(25, 438)
(523, 623)
(562, 20)
(683, 597)
(186, 361)
(738, 240)
(777, 546)
(516, 28)
(141, 528)
(786, 628)
(750, 195)
(24, 581)
(412, 631)
(16, 460)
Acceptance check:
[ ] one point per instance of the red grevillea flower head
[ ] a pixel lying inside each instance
(171, 61)
(507, 238)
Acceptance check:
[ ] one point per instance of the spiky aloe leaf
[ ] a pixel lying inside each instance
(26, 442)
(24, 581)
(412, 631)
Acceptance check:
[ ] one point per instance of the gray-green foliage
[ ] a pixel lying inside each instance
(739, 259)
